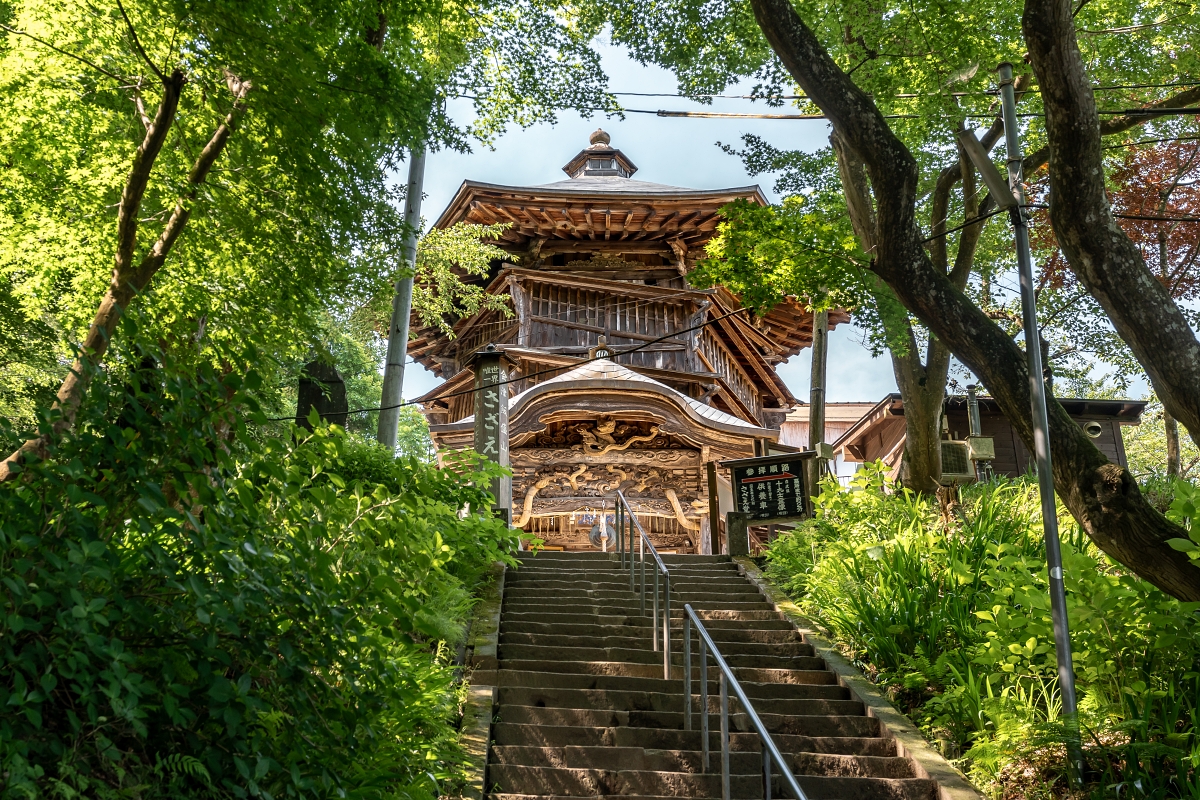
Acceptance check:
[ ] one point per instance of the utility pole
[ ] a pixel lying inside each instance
(397, 350)
(816, 399)
(1041, 422)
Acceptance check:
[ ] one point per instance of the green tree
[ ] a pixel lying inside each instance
(244, 146)
(897, 81)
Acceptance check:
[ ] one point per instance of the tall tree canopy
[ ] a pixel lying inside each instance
(224, 165)
(897, 80)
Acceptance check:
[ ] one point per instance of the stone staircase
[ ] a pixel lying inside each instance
(584, 711)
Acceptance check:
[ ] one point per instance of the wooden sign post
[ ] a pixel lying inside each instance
(491, 421)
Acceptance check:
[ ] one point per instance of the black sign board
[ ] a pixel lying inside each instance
(772, 488)
(491, 419)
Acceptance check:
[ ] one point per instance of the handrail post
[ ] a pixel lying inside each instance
(625, 507)
(654, 625)
(666, 633)
(642, 558)
(724, 736)
(766, 754)
(704, 701)
(619, 522)
(770, 751)
(687, 672)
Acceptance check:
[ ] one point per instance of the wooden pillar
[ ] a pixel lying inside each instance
(491, 421)
(714, 508)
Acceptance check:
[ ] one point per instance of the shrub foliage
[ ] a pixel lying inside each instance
(190, 608)
(954, 621)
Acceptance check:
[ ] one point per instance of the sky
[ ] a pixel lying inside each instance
(675, 151)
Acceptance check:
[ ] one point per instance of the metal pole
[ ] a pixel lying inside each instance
(397, 349)
(816, 394)
(1041, 428)
(766, 756)
(687, 672)
(704, 700)
(620, 523)
(666, 632)
(642, 558)
(632, 567)
(724, 736)
(654, 624)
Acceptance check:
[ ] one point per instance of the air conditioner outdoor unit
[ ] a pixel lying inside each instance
(956, 463)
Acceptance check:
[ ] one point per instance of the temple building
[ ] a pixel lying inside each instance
(627, 377)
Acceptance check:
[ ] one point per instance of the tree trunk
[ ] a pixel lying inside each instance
(127, 281)
(1103, 497)
(1096, 248)
(921, 462)
(1172, 431)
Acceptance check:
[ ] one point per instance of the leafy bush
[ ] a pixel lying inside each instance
(190, 609)
(955, 624)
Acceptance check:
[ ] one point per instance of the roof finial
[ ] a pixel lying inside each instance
(600, 159)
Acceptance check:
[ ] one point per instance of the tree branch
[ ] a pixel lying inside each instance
(60, 51)
(137, 44)
(1114, 125)
(1098, 251)
(128, 282)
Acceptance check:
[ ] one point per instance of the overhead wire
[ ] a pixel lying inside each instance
(902, 95)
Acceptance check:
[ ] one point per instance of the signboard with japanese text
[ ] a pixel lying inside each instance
(491, 420)
(772, 488)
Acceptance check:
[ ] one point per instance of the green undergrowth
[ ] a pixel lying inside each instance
(192, 608)
(953, 622)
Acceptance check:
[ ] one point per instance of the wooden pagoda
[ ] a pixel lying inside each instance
(601, 260)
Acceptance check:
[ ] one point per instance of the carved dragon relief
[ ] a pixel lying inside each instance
(640, 482)
(600, 437)
(606, 435)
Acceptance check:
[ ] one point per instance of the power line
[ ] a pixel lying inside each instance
(588, 360)
(1152, 141)
(903, 95)
(1132, 112)
(966, 224)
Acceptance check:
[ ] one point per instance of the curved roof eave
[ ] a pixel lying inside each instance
(587, 188)
(556, 386)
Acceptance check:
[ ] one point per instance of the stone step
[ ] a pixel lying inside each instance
(614, 567)
(685, 593)
(647, 656)
(755, 691)
(507, 733)
(712, 619)
(547, 556)
(585, 561)
(596, 782)
(692, 761)
(618, 579)
(643, 641)
(637, 670)
(624, 700)
(719, 635)
(817, 725)
(613, 607)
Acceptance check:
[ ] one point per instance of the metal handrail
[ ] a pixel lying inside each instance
(727, 679)
(623, 508)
